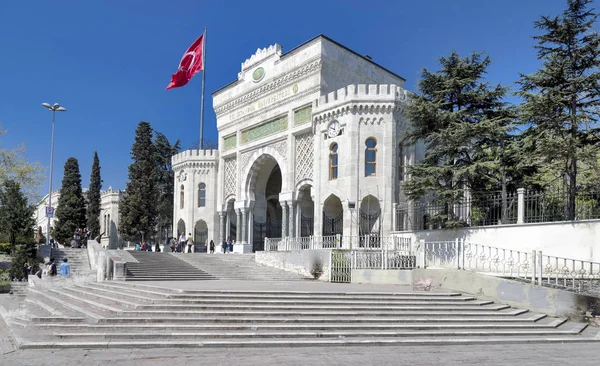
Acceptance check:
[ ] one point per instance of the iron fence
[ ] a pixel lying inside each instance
(473, 210)
(554, 206)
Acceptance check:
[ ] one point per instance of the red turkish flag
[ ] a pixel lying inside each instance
(191, 63)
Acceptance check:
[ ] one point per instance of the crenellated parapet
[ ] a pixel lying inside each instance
(362, 98)
(260, 55)
(200, 160)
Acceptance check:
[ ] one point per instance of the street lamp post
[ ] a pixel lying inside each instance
(53, 108)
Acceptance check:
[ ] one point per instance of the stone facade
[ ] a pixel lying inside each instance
(109, 216)
(309, 144)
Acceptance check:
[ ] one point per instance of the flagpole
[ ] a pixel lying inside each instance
(201, 145)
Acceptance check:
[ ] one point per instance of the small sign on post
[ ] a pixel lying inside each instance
(49, 211)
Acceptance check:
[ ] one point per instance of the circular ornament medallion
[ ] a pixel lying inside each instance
(258, 74)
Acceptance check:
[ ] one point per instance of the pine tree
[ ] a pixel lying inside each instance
(561, 99)
(16, 215)
(93, 196)
(465, 126)
(138, 211)
(165, 179)
(70, 213)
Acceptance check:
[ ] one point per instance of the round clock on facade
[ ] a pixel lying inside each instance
(334, 129)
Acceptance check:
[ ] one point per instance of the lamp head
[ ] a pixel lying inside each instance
(47, 105)
(61, 109)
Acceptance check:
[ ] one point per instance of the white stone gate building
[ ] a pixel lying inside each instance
(309, 145)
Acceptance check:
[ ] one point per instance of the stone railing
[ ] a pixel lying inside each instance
(107, 265)
(535, 267)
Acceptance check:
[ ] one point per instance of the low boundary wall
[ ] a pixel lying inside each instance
(573, 239)
(297, 261)
(551, 301)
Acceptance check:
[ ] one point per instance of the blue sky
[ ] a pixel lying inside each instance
(108, 62)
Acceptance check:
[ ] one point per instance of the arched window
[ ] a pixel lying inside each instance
(108, 225)
(371, 157)
(201, 195)
(333, 162)
(181, 197)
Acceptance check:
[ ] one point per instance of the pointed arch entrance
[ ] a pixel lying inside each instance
(370, 222)
(200, 235)
(333, 216)
(264, 185)
(180, 227)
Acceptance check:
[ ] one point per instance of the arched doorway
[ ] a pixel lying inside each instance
(333, 216)
(180, 228)
(263, 189)
(306, 211)
(200, 235)
(370, 222)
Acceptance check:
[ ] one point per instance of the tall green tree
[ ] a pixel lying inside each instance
(16, 215)
(465, 126)
(561, 99)
(70, 213)
(164, 150)
(93, 197)
(138, 211)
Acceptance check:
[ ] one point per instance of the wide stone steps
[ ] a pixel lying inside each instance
(77, 258)
(129, 314)
(235, 266)
(152, 266)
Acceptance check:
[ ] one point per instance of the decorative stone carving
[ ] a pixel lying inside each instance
(229, 142)
(261, 54)
(291, 77)
(281, 148)
(303, 115)
(304, 156)
(182, 176)
(245, 157)
(265, 129)
(230, 175)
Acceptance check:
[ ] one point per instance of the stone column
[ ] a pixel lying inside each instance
(284, 219)
(292, 221)
(238, 227)
(222, 228)
(244, 225)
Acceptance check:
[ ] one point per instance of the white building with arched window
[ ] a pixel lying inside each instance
(309, 145)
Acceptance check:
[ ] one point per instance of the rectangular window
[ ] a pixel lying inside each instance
(333, 171)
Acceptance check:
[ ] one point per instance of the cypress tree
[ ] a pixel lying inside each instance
(165, 179)
(138, 210)
(93, 196)
(562, 98)
(16, 215)
(70, 213)
(464, 124)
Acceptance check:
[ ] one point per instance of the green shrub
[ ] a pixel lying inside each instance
(5, 248)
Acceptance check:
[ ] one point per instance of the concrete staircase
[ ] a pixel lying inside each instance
(160, 266)
(236, 267)
(133, 315)
(77, 258)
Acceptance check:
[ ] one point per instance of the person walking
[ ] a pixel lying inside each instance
(190, 243)
(212, 246)
(224, 245)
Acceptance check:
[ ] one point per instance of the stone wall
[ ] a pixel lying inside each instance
(577, 240)
(298, 261)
